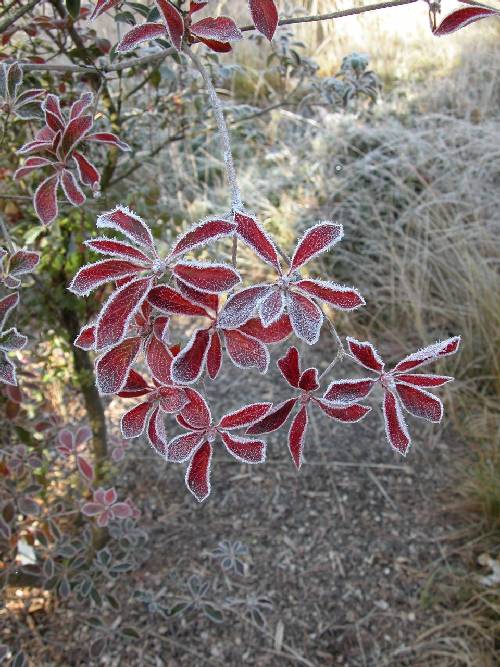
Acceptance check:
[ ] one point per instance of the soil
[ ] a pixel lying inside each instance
(342, 550)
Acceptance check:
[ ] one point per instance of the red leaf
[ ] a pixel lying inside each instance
(85, 468)
(461, 18)
(71, 188)
(133, 422)
(30, 165)
(206, 277)
(172, 399)
(214, 356)
(159, 361)
(296, 436)
(87, 173)
(102, 6)
(271, 307)
(93, 275)
(240, 307)
(45, 200)
(200, 234)
(275, 333)
(365, 354)
(289, 366)
(420, 403)
(246, 352)
(221, 29)
(338, 296)
(128, 223)
(198, 472)
(136, 385)
(350, 413)
(245, 450)
(7, 371)
(156, 432)
(427, 354)
(316, 240)
(421, 380)
(196, 413)
(309, 380)
(84, 102)
(23, 261)
(204, 299)
(117, 313)
(245, 416)
(181, 448)
(306, 317)
(108, 246)
(107, 138)
(251, 233)
(196, 6)
(86, 338)
(7, 303)
(348, 391)
(74, 132)
(395, 425)
(274, 419)
(265, 16)
(171, 302)
(112, 368)
(218, 47)
(174, 21)
(188, 365)
(140, 34)
(53, 115)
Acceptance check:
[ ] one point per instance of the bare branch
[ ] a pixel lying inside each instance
(338, 15)
(20, 12)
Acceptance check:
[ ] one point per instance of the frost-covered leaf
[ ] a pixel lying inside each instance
(306, 317)
(245, 416)
(265, 16)
(245, 351)
(420, 403)
(133, 422)
(427, 354)
(274, 419)
(317, 239)
(128, 223)
(253, 234)
(174, 22)
(188, 364)
(221, 29)
(348, 391)
(240, 307)
(244, 449)
(45, 200)
(289, 366)
(395, 425)
(94, 275)
(71, 188)
(112, 368)
(338, 296)
(463, 17)
(365, 354)
(271, 307)
(116, 315)
(296, 436)
(200, 234)
(214, 278)
(140, 34)
(198, 472)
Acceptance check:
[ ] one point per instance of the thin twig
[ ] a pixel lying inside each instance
(236, 203)
(337, 15)
(20, 12)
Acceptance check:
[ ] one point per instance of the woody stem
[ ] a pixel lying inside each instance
(225, 140)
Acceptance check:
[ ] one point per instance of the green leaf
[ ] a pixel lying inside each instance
(125, 17)
(73, 8)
